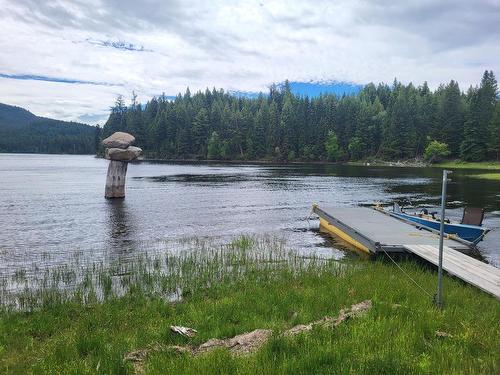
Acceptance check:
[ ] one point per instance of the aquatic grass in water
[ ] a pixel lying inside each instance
(247, 284)
(200, 264)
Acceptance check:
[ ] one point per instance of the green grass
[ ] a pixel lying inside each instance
(458, 164)
(250, 283)
(487, 176)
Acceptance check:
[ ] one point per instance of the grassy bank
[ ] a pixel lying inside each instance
(251, 283)
(487, 176)
(458, 164)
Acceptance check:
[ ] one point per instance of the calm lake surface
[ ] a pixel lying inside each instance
(52, 206)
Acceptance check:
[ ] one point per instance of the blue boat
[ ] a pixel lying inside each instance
(465, 230)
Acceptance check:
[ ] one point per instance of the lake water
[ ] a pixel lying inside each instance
(52, 206)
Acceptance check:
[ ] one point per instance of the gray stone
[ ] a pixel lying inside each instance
(119, 140)
(120, 154)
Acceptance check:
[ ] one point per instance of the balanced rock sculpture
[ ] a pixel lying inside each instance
(119, 152)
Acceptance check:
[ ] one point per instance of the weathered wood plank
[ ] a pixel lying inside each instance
(479, 274)
(467, 264)
(482, 280)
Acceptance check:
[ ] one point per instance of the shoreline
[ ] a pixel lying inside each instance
(493, 165)
(455, 164)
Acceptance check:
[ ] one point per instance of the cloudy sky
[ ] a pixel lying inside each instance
(70, 59)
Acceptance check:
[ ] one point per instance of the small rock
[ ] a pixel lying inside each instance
(184, 331)
(119, 140)
(443, 334)
(119, 154)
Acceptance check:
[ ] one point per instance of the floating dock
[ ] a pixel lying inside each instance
(374, 232)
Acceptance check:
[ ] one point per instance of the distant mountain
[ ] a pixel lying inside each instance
(11, 116)
(22, 131)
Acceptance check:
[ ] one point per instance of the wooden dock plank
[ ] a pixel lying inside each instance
(473, 271)
(450, 263)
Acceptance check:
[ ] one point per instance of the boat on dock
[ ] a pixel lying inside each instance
(469, 229)
(378, 232)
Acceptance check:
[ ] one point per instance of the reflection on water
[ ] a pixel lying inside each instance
(121, 227)
(53, 205)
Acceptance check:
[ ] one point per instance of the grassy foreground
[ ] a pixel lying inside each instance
(249, 284)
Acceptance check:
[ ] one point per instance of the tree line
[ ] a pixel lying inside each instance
(382, 121)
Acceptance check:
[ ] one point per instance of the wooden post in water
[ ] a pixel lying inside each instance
(120, 153)
(115, 180)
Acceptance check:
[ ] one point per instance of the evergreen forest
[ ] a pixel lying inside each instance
(390, 122)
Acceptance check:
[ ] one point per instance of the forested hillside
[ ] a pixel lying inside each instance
(22, 131)
(382, 121)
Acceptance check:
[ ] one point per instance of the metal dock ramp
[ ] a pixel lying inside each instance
(473, 271)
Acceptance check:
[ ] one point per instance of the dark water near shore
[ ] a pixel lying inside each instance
(52, 206)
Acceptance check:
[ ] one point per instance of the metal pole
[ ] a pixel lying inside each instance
(441, 238)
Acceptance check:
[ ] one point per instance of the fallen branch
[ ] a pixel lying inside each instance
(328, 321)
(245, 343)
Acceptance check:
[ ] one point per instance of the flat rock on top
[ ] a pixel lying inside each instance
(118, 140)
(120, 154)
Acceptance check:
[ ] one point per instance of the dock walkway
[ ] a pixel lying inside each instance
(374, 232)
(473, 271)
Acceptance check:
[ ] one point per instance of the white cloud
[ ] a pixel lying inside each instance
(234, 45)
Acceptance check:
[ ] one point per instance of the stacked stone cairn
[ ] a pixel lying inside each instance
(119, 152)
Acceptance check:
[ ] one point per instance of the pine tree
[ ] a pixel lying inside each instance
(333, 151)
(200, 133)
(214, 147)
(477, 126)
(494, 140)
(451, 118)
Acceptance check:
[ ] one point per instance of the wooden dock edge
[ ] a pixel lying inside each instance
(336, 228)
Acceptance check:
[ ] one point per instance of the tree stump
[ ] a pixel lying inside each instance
(119, 152)
(115, 181)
